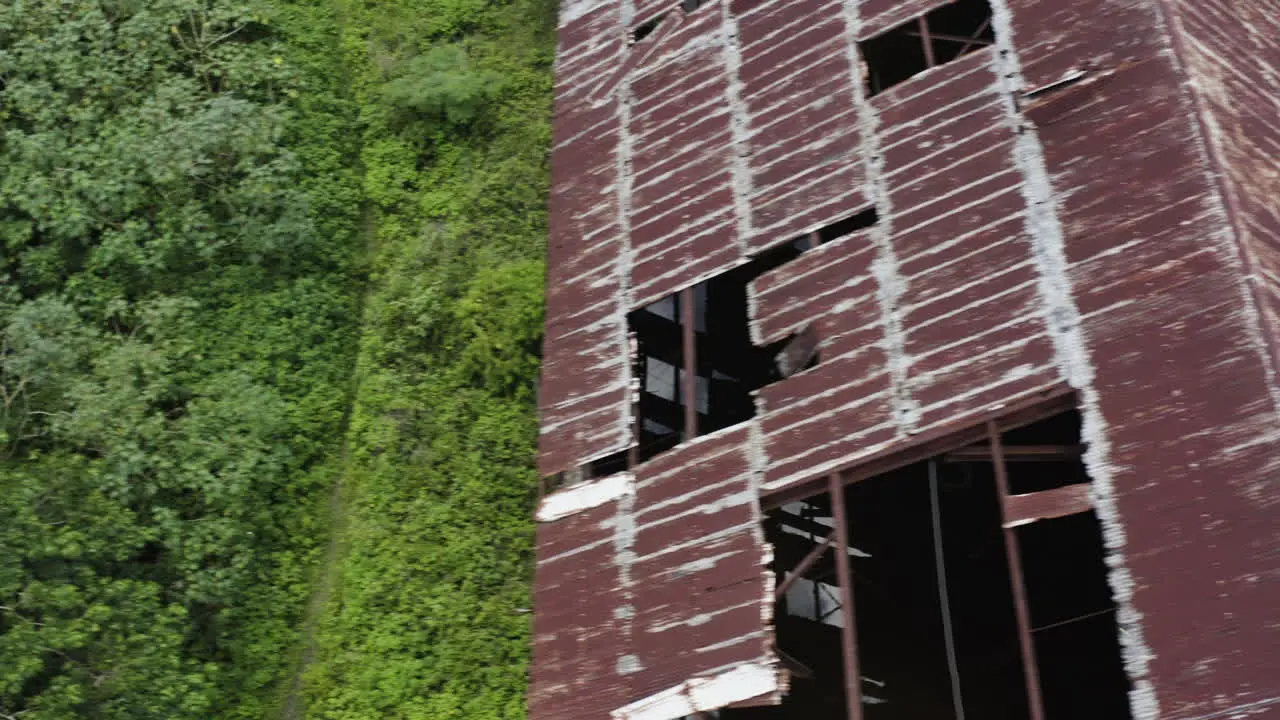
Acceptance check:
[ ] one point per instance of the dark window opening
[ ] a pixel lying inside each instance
(947, 33)
(728, 367)
(1073, 619)
(601, 467)
(609, 465)
(946, 592)
(646, 29)
(1044, 455)
(848, 226)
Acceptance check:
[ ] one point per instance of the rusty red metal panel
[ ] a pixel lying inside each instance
(680, 134)
(809, 289)
(576, 639)
(644, 584)
(1232, 51)
(582, 398)
(1184, 397)
(959, 233)
(797, 89)
(881, 15)
(699, 546)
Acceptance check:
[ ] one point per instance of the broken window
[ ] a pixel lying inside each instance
(715, 361)
(975, 580)
(933, 39)
(696, 344)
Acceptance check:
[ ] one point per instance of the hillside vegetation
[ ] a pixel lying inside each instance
(270, 307)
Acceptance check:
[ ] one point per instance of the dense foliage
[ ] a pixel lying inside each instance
(425, 620)
(270, 283)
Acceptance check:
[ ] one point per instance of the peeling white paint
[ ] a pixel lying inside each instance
(738, 127)
(891, 283)
(571, 10)
(700, 694)
(573, 500)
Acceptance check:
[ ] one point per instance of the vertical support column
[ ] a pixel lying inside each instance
(852, 673)
(689, 351)
(927, 40)
(1030, 672)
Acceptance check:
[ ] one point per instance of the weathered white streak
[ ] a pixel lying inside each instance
(885, 267)
(573, 500)
(742, 683)
(738, 126)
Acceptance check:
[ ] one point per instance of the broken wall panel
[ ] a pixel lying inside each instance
(797, 91)
(706, 595)
(682, 181)
(663, 584)
(811, 287)
(576, 638)
(586, 328)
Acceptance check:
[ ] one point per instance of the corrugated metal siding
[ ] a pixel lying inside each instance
(583, 394)
(1180, 378)
(1077, 234)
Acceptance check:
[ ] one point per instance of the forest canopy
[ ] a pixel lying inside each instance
(270, 309)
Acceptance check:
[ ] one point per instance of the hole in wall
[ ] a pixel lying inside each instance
(728, 366)
(934, 607)
(847, 226)
(646, 29)
(936, 38)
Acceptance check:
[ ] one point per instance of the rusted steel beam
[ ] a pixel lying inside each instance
(1029, 409)
(849, 634)
(968, 41)
(1030, 671)
(1058, 502)
(1017, 453)
(803, 566)
(926, 40)
(974, 40)
(689, 346)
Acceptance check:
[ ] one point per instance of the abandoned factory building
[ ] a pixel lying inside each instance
(911, 360)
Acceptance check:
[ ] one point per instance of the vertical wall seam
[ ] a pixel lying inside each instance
(738, 121)
(1063, 323)
(890, 283)
(626, 257)
(624, 530)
